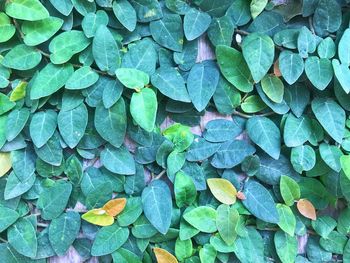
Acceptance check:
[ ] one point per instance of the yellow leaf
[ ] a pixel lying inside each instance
(98, 217)
(115, 206)
(164, 256)
(307, 209)
(5, 163)
(19, 91)
(222, 190)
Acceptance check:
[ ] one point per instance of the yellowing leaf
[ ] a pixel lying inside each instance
(115, 206)
(5, 163)
(307, 209)
(222, 190)
(19, 91)
(98, 217)
(164, 256)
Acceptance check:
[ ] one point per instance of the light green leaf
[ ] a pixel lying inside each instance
(7, 30)
(50, 79)
(22, 57)
(226, 222)
(143, 108)
(7, 217)
(326, 48)
(291, 66)
(185, 190)
(22, 237)
(303, 158)
(125, 14)
(183, 249)
(258, 51)
(344, 49)
(195, 23)
(92, 21)
(306, 42)
(157, 205)
(319, 71)
(287, 219)
(108, 239)
(286, 247)
(296, 130)
(290, 190)
(16, 121)
(30, 10)
(260, 202)
(72, 124)
(132, 78)
(345, 164)
(203, 218)
(331, 116)
(273, 88)
(342, 73)
(42, 127)
(331, 155)
(63, 230)
(234, 68)
(256, 7)
(263, 132)
(37, 32)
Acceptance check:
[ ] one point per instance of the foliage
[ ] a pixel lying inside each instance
(88, 158)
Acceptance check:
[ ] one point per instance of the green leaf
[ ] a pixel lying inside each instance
(331, 155)
(7, 30)
(258, 51)
(345, 164)
(287, 219)
(185, 190)
(67, 44)
(113, 128)
(50, 79)
(22, 57)
(221, 130)
(335, 242)
(232, 153)
(175, 161)
(30, 10)
(319, 71)
(105, 50)
(201, 83)
(250, 248)
(322, 20)
(342, 73)
(170, 83)
(82, 78)
(291, 66)
(108, 239)
(203, 218)
(74, 169)
(286, 246)
(92, 21)
(296, 130)
(331, 116)
(16, 187)
(22, 237)
(72, 124)
(51, 152)
(290, 190)
(273, 88)
(131, 212)
(132, 78)
(220, 31)
(195, 23)
(118, 160)
(343, 48)
(143, 108)
(201, 150)
(63, 230)
(157, 205)
(167, 32)
(37, 32)
(147, 10)
(306, 42)
(53, 200)
(42, 127)
(226, 222)
(324, 225)
(234, 68)
(256, 7)
(303, 158)
(326, 48)
(263, 132)
(260, 202)
(7, 217)
(16, 121)
(183, 249)
(125, 14)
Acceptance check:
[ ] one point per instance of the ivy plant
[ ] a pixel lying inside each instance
(175, 131)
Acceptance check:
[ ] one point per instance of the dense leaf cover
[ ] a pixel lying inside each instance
(88, 158)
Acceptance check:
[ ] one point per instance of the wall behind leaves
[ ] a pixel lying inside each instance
(87, 162)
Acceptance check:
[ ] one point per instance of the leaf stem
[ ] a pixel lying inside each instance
(3, 240)
(42, 224)
(159, 175)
